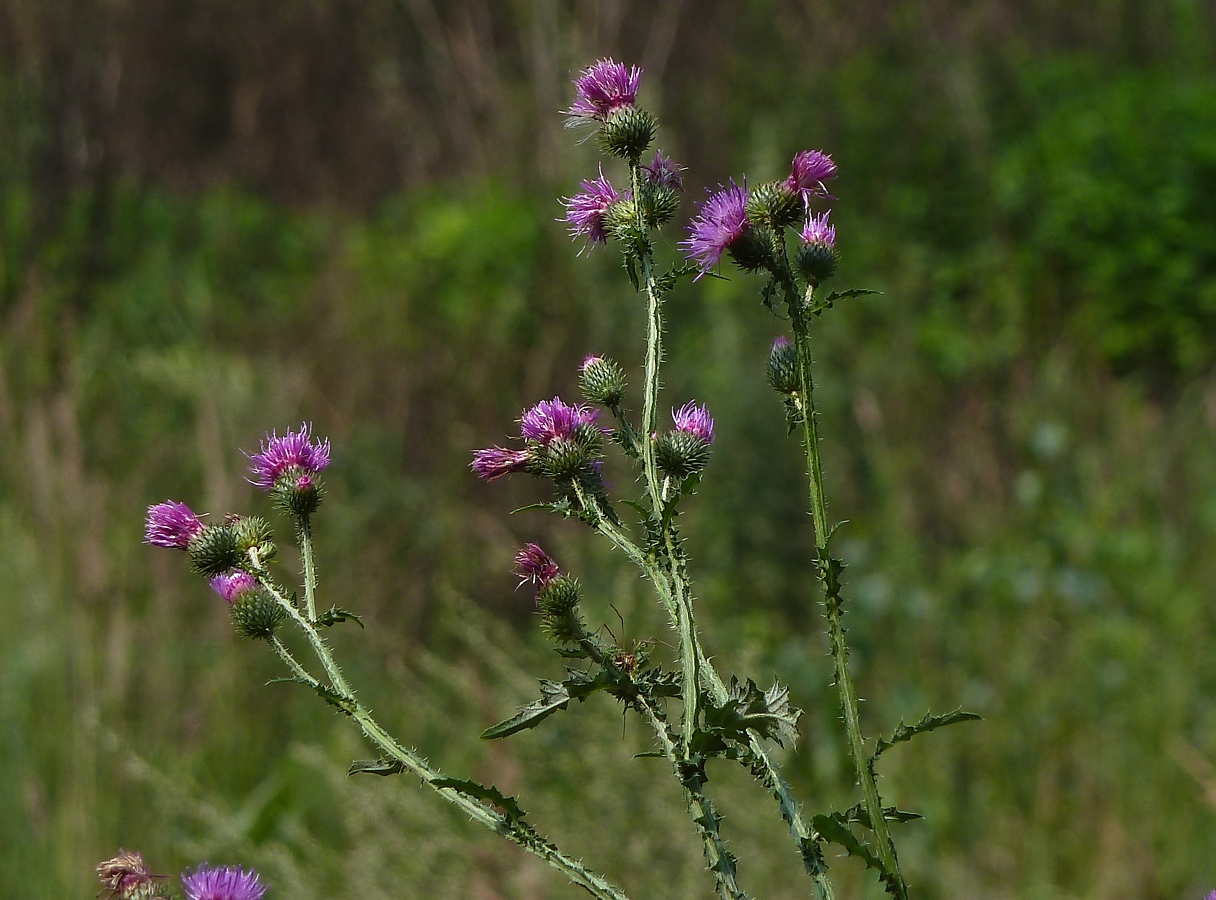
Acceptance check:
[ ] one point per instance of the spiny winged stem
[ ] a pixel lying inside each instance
(828, 569)
(344, 698)
(689, 650)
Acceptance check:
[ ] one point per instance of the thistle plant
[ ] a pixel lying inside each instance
(694, 713)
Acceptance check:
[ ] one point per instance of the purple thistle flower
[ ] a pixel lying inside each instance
(554, 418)
(495, 462)
(601, 88)
(590, 360)
(721, 221)
(171, 524)
(664, 172)
(818, 231)
(295, 450)
(231, 585)
(532, 564)
(228, 883)
(586, 210)
(808, 172)
(780, 342)
(694, 419)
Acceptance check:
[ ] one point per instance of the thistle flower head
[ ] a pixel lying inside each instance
(694, 420)
(554, 418)
(721, 222)
(586, 210)
(533, 565)
(663, 171)
(171, 524)
(808, 172)
(780, 342)
(228, 883)
(295, 451)
(125, 875)
(603, 87)
(230, 585)
(818, 231)
(495, 462)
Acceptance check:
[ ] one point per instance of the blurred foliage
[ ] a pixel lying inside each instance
(345, 213)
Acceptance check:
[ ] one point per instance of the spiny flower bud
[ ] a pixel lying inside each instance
(817, 259)
(783, 366)
(621, 221)
(627, 133)
(565, 458)
(602, 381)
(775, 205)
(256, 614)
(659, 204)
(253, 533)
(214, 550)
(298, 493)
(684, 451)
(753, 252)
(558, 604)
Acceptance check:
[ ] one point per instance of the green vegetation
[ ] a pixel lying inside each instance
(1021, 430)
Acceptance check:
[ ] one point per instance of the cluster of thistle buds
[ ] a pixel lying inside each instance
(127, 877)
(230, 553)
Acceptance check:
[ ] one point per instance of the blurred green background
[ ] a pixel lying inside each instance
(221, 217)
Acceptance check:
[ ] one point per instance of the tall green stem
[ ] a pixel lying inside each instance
(310, 569)
(832, 603)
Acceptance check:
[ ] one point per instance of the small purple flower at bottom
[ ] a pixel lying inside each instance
(586, 210)
(808, 172)
(231, 585)
(554, 418)
(603, 87)
(296, 450)
(228, 883)
(171, 524)
(532, 564)
(664, 172)
(721, 221)
(1211, 896)
(495, 462)
(695, 420)
(818, 231)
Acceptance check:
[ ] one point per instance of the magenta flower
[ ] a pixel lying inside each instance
(590, 360)
(602, 88)
(294, 452)
(228, 883)
(818, 231)
(809, 171)
(532, 564)
(694, 420)
(231, 585)
(495, 462)
(780, 342)
(664, 172)
(585, 211)
(554, 418)
(721, 222)
(171, 524)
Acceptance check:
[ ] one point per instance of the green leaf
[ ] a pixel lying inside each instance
(486, 793)
(563, 506)
(328, 694)
(859, 815)
(747, 708)
(336, 614)
(554, 696)
(375, 767)
(768, 296)
(928, 723)
(837, 832)
(831, 299)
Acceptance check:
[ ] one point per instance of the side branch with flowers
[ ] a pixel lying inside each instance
(695, 714)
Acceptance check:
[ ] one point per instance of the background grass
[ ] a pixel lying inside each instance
(220, 219)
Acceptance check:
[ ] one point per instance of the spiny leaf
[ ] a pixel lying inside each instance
(554, 696)
(667, 281)
(563, 506)
(928, 723)
(375, 767)
(861, 816)
(768, 296)
(336, 614)
(831, 299)
(485, 793)
(747, 708)
(837, 832)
